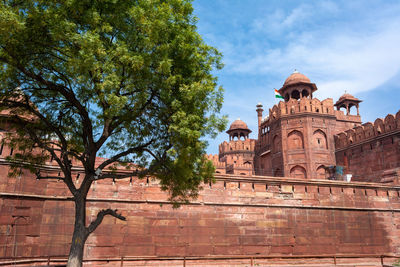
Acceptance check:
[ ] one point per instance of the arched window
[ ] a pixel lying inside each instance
(319, 140)
(321, 172)
(304, 93)
(298, 172)
(295, 140)
(296, 94)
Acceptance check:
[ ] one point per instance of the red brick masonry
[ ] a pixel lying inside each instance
(235, 216)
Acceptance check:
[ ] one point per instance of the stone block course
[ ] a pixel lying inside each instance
(288, 218)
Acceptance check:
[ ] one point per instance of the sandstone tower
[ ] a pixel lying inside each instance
(296, 138)
(237, 155)
(303, 137)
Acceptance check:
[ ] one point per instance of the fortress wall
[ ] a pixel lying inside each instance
(368, 131)
(371, 152)
(234, 216)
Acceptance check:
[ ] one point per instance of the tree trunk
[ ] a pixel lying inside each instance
(80, 234)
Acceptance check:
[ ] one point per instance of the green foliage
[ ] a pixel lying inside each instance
(131, 80)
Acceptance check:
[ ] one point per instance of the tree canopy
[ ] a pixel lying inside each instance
(128, 79)
(131, 80)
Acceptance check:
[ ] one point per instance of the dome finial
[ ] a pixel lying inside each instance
(295, 71)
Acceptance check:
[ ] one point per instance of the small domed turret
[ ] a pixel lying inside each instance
(238, 129)
(296, 86)
(347, 101)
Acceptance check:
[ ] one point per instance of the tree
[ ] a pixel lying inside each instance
(129, 79)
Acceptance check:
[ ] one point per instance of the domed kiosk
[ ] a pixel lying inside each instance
(347, 101)
(297, 86)
(238, 129)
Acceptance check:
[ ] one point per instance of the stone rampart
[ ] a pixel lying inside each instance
(238, 145)
(368, 131)
(370, 152)
(252, 216)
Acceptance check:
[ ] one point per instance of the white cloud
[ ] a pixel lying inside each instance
(339, 45)
(337, 60)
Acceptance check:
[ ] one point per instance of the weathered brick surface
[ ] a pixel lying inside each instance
(273, 217)
(371, 152)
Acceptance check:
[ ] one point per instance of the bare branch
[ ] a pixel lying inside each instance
(110, 124)
(125, 153)
(40, 116)
(69, 96)
(64, 167)
(93, 225)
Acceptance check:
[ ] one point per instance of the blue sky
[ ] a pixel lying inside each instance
(339, 45)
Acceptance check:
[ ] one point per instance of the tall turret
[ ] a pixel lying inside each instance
(259, 116)
(238, 153)
(296, 140)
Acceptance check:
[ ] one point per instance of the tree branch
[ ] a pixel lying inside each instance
(29, 108)
(65, 169)
(125, 153)
(93, 225)
(69, 96)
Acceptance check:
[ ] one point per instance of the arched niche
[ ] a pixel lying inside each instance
(319, 140)
(295, 140)
(321, 172)
(298, 172)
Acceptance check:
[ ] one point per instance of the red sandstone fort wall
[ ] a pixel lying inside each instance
(234, 216)
(371, 152)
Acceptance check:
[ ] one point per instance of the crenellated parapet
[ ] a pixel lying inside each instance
(367, 131)
(215, 159)
(304, 105)
(246, 166)
(236, 147)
